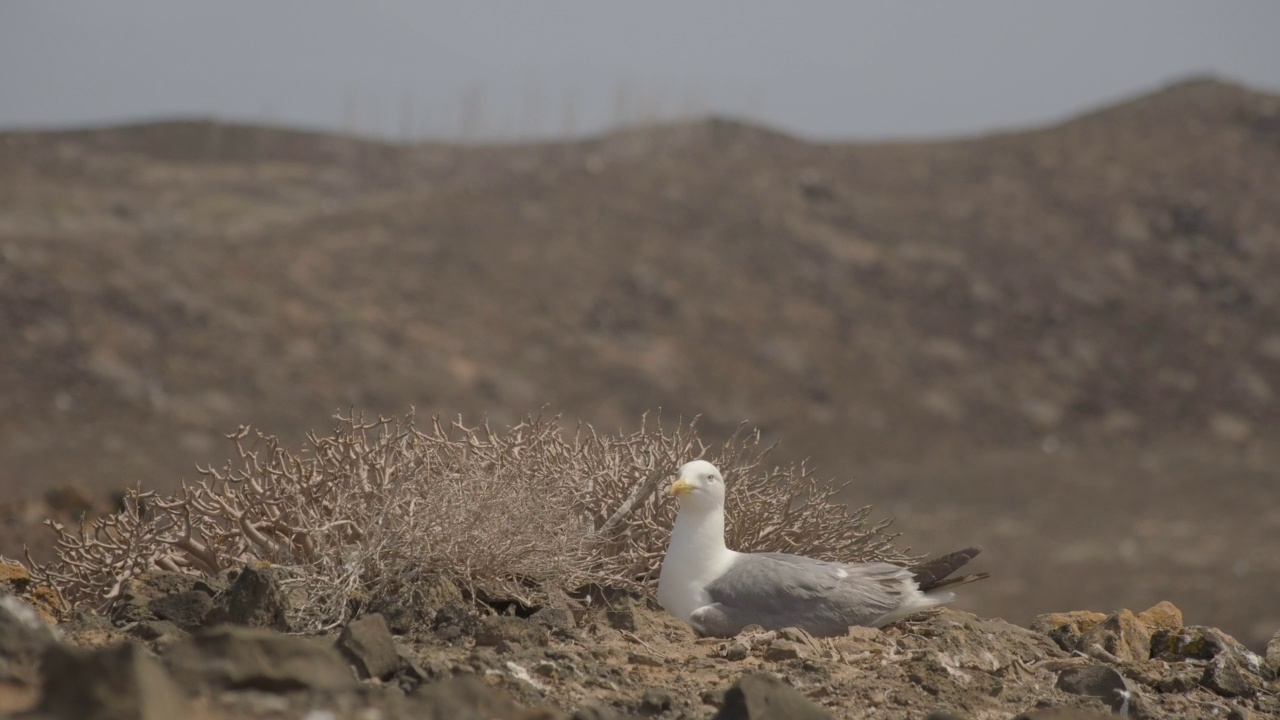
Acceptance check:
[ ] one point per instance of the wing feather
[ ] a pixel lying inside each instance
(777, 589)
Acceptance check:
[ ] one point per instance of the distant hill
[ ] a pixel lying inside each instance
(1107, 286)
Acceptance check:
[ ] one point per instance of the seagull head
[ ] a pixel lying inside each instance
(699, 486)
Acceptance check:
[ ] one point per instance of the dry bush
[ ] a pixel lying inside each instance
(378, 506)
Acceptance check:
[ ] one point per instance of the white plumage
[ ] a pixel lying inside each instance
(718, 591)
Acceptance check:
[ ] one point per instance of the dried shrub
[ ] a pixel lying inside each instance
(377, 506)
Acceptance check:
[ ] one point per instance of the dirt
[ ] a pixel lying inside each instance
(630, 660)
(1062, 344)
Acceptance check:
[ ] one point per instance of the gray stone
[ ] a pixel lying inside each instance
(1193, 642)
(411, 608)
(558, 620)
(451, 623)
(1179, 677)
(504, 630)
(24, 638)
(150, 630)
(412, 672)
(1273, 654)
(780, 650)
(187, 609)
(1100, 681)
(255, 599)
(1226, 677)
(232, 657)
(136, 594)
(120, 682)
(761, 696)
(737, 651)
(464, 697)
(655, 701)
(594, 712)
(368, 644)
(622, 612)
(621, 618)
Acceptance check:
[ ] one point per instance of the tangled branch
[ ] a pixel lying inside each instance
(379, 504)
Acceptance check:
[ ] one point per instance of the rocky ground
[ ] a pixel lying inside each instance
(1061, 343)
(177, 646)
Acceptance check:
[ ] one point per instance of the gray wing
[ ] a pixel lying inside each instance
(778, 590)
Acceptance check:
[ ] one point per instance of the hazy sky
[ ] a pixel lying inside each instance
(822, 69)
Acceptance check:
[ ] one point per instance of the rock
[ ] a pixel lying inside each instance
(114, 683)
(1161, 616)
(622, 617)
(464, 697)
(232, 657)
(1065, 629)
(1178, 678)
(255, 599)
(623, 611)
(860, 641)
(137, 594)
(761, 696)
(594, 712)
(368, 644)
(88, 629)
(780, 650)
(1196, 642)
(1273, 654)
(14, 577)
(1121, 635)
(655, 701)
(557, 620)
(1225, 676)
(865, 634)
(408, 610)
(736, 651)
(505, 630)
(186, 610)
(47, 603)
(713, 697)
(451, 623)
(151, 630)
(1100, 681)
(412, 673)
(24, 638)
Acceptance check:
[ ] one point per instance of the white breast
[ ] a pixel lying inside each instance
(686, 571)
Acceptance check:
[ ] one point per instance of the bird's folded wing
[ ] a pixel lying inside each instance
(779, 584)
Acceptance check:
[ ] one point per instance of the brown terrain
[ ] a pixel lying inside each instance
(1061, 344)
(177, 646)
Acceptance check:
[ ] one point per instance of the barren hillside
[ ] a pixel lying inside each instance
(1063, 344)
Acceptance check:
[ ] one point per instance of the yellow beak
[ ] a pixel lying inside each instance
(680, 487)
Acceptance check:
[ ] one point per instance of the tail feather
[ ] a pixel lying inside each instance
(932, 575)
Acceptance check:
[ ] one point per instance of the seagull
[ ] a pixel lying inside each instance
(719, 592)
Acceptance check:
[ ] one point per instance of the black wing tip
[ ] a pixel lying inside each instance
(932, 574)
(949, 583)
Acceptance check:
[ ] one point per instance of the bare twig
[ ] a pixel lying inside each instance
(378, 508)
